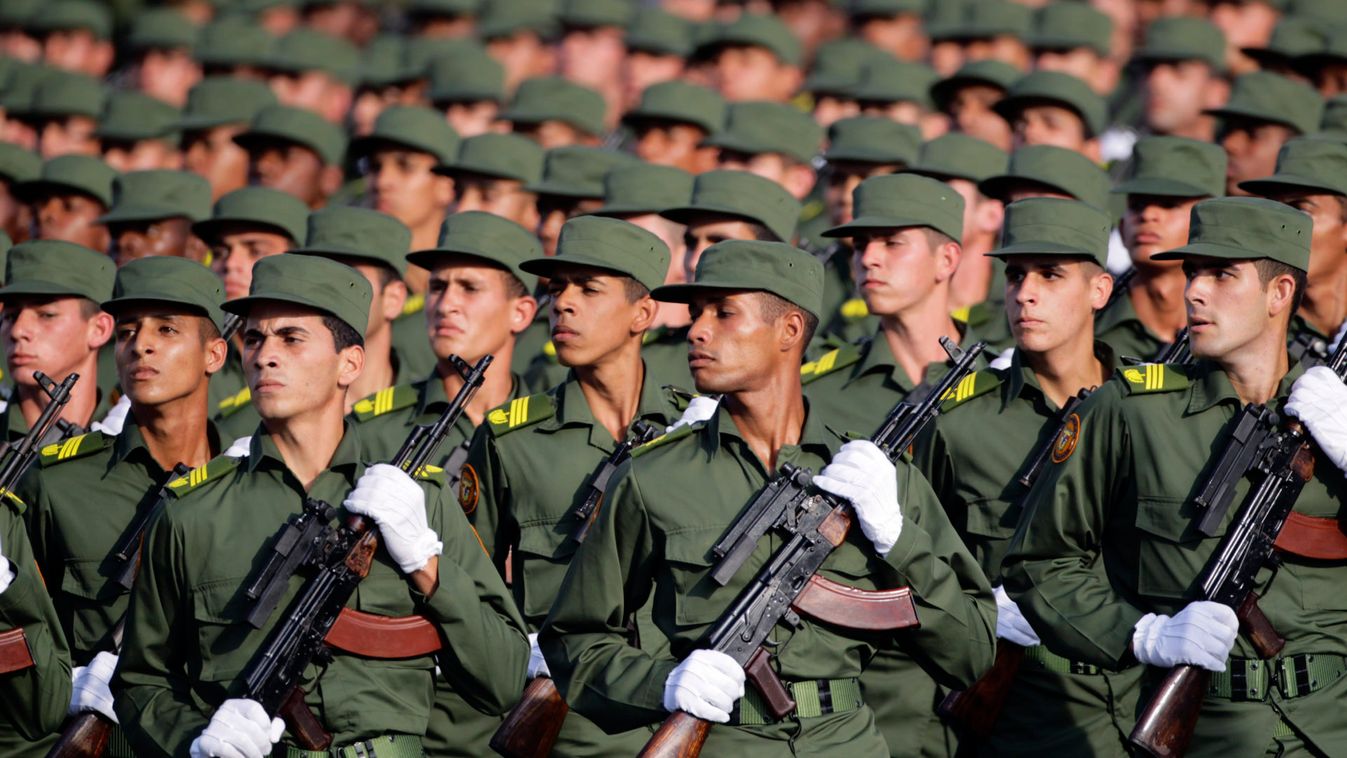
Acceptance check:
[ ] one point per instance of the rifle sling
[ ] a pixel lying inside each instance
(383, 637)
(14, 652)
(1313, 537)
(854, 608)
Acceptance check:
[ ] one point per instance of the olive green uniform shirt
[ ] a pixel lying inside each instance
(1118, 325)
(15, 426)
(411, 341)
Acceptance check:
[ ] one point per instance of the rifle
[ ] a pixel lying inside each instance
(232, 323)
(1282, 455)
(815, 523)
(337, 556)
(16, 457)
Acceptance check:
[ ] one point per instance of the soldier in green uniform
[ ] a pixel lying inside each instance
(66, 200)
(754, 305)
(1263, 112)
(671, 123)
(468, 86)
(900, 91)
(1054, 251)
(137, 132)
(1182, 73)
(217, 110)
(65, 111)
(733, 205)
(968, 97)
(16, 165)
(168, 345)
(776, 141)
(1049, 171)
(1105, 561)
(295, 151)
(1053, 108)
(186, 640)
(152, 214)
(491, 173)
(556, 112)
(1075, 39)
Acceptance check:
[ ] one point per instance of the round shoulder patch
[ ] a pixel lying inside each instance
(1065, 444)
(469, 489)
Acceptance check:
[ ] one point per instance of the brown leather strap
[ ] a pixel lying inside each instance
(1313, 537)
(14, 652)
(383, 636)
(855, 608)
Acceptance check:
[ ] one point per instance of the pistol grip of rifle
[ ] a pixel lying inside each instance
(1256, 627)
(85, 736)
(530, 729)
(977, 708)
(682, 735)
(760, 674)
(307, 730)
(1166, 725)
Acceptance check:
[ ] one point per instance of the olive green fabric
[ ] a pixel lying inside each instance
(1055, 88)
(73, 15)
(1331, 50)
(896, 201)
(168, 280)
(305, 49)
(987, 72)
(52, 267)
(62, 94)
(233, 42)
(1119, 326)
(1335, 116)
(755, 30)
(1175, 167)
(383, 63)
(408, 126)
(20, 86)
(657, 32)
(18, 13)
(1305, 163)
(132, 116)
(1055, 169)
(873, 139)
(609, 244)
(838, 65)
(889, 80)
(506, 18)
(360, 234)
(1266, 97)
(1246, 227)
(739, 194)
(273, 210)
(500, 156)
(1052, 226)
(486, 236)
(444, 8)
(865, 9)
(680, 102)
(644, 188)
(577, 171)
(18, 165)
(552, 98)
(1068, 26)
(1292, 37)
(785, 271)
(958, 156)
(295, 125)
(71, 173)
(156, 194)
(1183, 38)
(589, 14)
(759, 126)
(312, 282)
(466, 76)
(220, 100)
(161, 29)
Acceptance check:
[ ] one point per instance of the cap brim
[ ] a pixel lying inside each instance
(727, 141)
(685, 213)
(998, 187)
(546, 265)
(683, 293)
(561, 190)
(111, 306)
(635, 118)
(870, 223)
(858, 155)
(241, 305)
(1287, 182)
(201, 123)
(138, 213)
(1039, 248)
(617, 209)
(209, 228)
(1272, 118)
(39, 287)
(426, 258)
(1205, 250)
(1160, 188)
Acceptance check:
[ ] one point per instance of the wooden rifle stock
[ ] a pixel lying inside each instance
(682, 735)
(977, 708)
(85, 735)
(1166, 726)
(531, 727)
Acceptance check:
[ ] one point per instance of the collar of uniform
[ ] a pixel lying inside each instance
(346, 458)
(1211, 385)
(1020, 377)
(573, 407)
(813, 435)
(131, 440)
(879, 357)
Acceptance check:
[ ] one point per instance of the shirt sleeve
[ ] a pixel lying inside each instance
(489, 511)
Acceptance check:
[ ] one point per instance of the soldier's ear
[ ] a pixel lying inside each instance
(101, 327)
(646, 310)
(522, 313)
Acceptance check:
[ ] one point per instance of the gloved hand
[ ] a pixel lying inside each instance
(396, 503)
(239, 729)
(701, 408)
(537, 664)
(1201, 634)
(1003, 360)
(90, 686)
(115, 419)
(863, 475)
(1010, 623)
(706, 684)
(240, 448)
(1319, 400)
(7, 571)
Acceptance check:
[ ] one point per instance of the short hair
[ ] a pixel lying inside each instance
(1269, 269)
(634, 290)
(89, 308)
(343, 334)
(935, 238)
(773, 307)
(207, 330)
(761, 233)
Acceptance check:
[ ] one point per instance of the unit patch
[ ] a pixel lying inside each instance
(469, 489)
(1067, 438)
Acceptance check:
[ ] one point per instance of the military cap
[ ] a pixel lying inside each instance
(989, 72)
(71, 15)
(275, 210)
(131, 116)
(1055, 168)
(220, 100)
(552, 98)
(310, 281)
(383, 62)
(896, 201)
(1053, 226)
(234, 42)
(1329, 11)
(861, 9)
(500, 156)
(743, 265)
(589, 14)
(54, 267)
(170, 280)
(505, 18)
(358, 233)
(66, 93)
(158, 194)
(755, 30)
(644, 188)
(16, 14)
(1292, 38)
(658, 32)
(1264, 96)
(1315, 164)
(1245, 228)
(1175, 167)
(761, 126)
(609, 244)
(1181, 38)
(576, 171)
(1055, 88)
(741, 195)
(410, 126)
(1332, 49)
(1335, 115)
(872, 139)
(445, 8)
(21, 82)
(307, 50)
(71, 173)
(161, 29)
(485, 236)
(838, 66)
(680, 102)
(889, 80)
(297, 125)
(986, 19)
(958, 156)
(466, 76)
(18, 165)
(1067, 26)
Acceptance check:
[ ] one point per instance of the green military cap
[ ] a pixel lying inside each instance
(170, 280)
(1315, 164)
(1265, 96)
(1067, 26)
(861, 9)
(274, 210)
(1175, 167)
(1054, 168)
(313, 282)
(54, 267)
(445, 8)
(18, 13)
(297, 125)
(589, 14)
(986, 19)
(760, 126)
(656, 31)
(741, 195)
(234, 42)
(576, 171)
(307, 50)
(1053, 226)
(1328, 11)
(158, 194)
(18, 165)
(1056, 88)
(71, 15)
(485, 236)
(896, 201)
(889, 80)
(419, 52)
(161, 29)
(20, 86)
(736, 265)
(499, 156)
(1244, 228)
(872, 139)
(1335, 115)
(220, 100)
(552, 98)
(66, 93)
(358, 233)
(1331, 50)
(1292, 38)
(72, 173)
(609, 244)
(383, 62)
(644, 188)
(680, 102)
(505, 18)
(467, 75)
(131, 116)
(1181, 38)
(755, 30)
(989, 72)
(410, 126)
(958, 156)
(838, 66)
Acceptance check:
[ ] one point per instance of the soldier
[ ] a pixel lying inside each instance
(1049, 171)
(671, 123)
(316, 72)
(67, 198)
(161, 42)
(517, 33)
(1074, 39)
(468, 86)
(17, 165)
(1246, 24)
(833, 74)
(137, 133)
(755, 57)
(969, 97)
(295, 151)
(304, 319)
(152, 214)
(64, 113)
(236, 47)
(1052, 108)
(556, 113)
(994, 30)
(1105, 560)
(773, 140)
(571, 185)
(1054, 251)
(894, 26)
(592, 48)
(1184, 63)
(901, 91)
(658, 45)
(76, 35)
(754, 305)
(219, 109)
(1264, 111)
(733, 205)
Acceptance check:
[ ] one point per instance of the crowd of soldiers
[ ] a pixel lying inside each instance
(699, 246)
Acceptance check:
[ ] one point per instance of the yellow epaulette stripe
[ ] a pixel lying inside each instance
(9, 494)
(414, 303)
(237, 399)
(854, 309)
(961, 314)
(383, 400)
(550, 349)
(1155, 376)
(519, 411)
(821, 366)
(427, 470)
(962, 390)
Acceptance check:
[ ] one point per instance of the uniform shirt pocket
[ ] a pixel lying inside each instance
(543, 554)
(219, 609)
(1171, 552)
(689, 557)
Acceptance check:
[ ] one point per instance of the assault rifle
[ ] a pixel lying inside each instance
(16, 457)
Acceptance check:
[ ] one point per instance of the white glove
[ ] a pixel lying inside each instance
(537, 664)
(239, 729)
(701, 408)
(1003, 360)
(1337, 338)
(113, 422)
(7, 571)
(706, 684)
(240, 448)
(863, 475)
(1201, 634)
(396, 503)
(90, 686)
(1319, 400)
(1010, 623)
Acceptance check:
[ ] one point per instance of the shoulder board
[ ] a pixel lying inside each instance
(429, 473)
(75, 447)
(14, 501)
(1154, 377)
(829, 362)
(664, 439)
(549, 351)
(853, 309)
(213, 471)
(973, 385)
(678, 397)
(384, 401)
(234, 403)
(414, 304)
(811, 210)
(521, 412)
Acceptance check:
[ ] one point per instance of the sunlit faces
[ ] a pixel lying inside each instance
(236, 249)
(970, 107)
(795, 177)
(54, 335)
(1046, 124)
(70, 216)
(142, 239)
(292, 363)
(1229, 308)
(140, 155)
(1175, 94)
(1328, 240)
(733, 343)
(553, 213)
(403, 185)
(472, 119)
(705, 231)
(748, 72)
(594, 314)
(168, 74)
(897, 269)
(506, 198)
(163, 354)
(68, 135)
(643, 69)
(552, 133)
(294, 169)
(213, 154)
(670, 143)
(1154, 224)
(590, 56)
(1051, 300)
(841, 179)
(1251, 148)
(474, 308)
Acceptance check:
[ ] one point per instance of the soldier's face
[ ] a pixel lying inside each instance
(70, 217)
(553, 213)
(1328, 241)
(292, 364)
(235, 251)
(141, 155)
(670, 144)
(471, 119)
(971, 109)
(1229, 309)
(73, 135)
(643, 69)
(471, 309)
(898, 270)
(53, 335)
(1050, 300)
(506, 198)
(842, 179)
(703, 233)
(592, 318)
(168, 236)
(732, 346)
(214, 155)
(749, 72)
(290, 168)
(1175, 94)
(164, 355)
(1049, 125)
(1155, 224)
(402, 185)
(1251, 149)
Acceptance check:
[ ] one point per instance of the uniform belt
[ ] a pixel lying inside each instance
(1250, 679)
(1046, 659)
(387, 746)
(815, 697)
